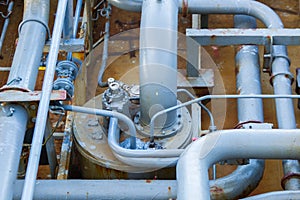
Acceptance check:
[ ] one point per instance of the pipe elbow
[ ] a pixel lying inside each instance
(129, 5)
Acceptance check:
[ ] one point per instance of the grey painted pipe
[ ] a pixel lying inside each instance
(285, 109)
(27, 58)
(107, 113)
(12, 130)
(5, 25)
(247, 7)
(245, 178)
(42, 113)
(105, 52)
(193, 164)
(101, 189)
(278, 195)
(158, 60)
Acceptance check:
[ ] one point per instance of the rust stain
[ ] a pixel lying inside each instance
(184, 8)
(169, 189)
(148, 181)
(216, 190)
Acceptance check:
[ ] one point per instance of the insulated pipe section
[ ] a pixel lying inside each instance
(192, 167)
(12, 130)
(158, 60)
(27, 58)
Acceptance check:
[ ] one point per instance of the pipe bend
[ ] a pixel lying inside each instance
(193, 164)
(129, 5)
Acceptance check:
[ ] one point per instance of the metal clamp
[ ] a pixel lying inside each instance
(288, 177)
(35, 20)
(268, 55)
(288, 75)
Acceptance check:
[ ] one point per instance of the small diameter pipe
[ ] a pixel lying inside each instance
(75, 24)
(210, 115)
(152, 158)
(5, 25)
(192, 167)
(264, 96)
(105, 50)
(107, 113)
(42, 113)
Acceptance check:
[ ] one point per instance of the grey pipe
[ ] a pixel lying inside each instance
(247, 7)
(278, 195)
(42, 113)
(129, 5)
(12, 130)
(105, 50)
(107, 113)
(192, 167)
(158, 60)
(30, 46)
(75, 24)
(5, 25)
(101, 189)
(285, 109)
(68, 21)
(245, 178)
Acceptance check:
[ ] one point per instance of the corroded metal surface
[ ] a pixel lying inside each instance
(65, 154)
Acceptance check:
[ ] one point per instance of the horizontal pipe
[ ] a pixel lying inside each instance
(226, 96)
(100, 189)
(246, 7)
(192, 167)
(278, 195)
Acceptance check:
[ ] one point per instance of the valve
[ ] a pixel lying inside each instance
(66, 72)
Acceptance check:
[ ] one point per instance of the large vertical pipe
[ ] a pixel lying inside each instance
(30, 46)
(12, 130)
(158, 59)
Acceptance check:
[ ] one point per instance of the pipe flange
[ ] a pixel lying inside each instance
(35, 20)
(64, 84)
(67, 69)
(288, 75)
(159, 132)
